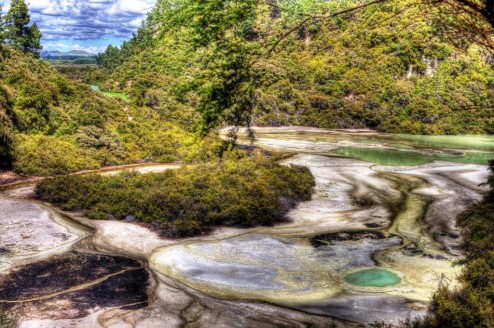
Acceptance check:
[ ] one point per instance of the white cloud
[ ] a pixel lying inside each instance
(90, 19)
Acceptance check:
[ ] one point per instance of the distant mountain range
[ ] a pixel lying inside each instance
(74, 54)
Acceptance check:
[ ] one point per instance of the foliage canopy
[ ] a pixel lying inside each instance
(16, 30)
(382, 67)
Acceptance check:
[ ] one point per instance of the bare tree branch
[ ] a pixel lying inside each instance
(473, 19)
(320, 17)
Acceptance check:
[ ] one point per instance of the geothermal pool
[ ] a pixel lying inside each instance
(373, 244)
(373, 278)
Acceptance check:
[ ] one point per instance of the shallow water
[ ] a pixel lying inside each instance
(121, 95)
(411, 198)
(407, 157)
(381, 148)
(373, 278)
(471, 142)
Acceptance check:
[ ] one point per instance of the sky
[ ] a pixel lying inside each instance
(89, 25)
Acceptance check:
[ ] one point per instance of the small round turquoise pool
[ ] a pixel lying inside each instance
(373, 278)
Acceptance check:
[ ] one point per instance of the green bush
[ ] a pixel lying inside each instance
(50, 155)
(241, 192)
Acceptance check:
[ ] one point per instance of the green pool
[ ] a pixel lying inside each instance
(390, 149)
(395, 157)
(373, 278)
(122, 95)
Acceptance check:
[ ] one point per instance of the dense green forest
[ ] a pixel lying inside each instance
(383, 67)
(365, 69)
(241, 191)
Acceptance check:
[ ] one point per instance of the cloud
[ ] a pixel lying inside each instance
(88, 19)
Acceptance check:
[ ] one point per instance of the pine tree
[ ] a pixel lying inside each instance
(111, 58)
(2, 26)
(34, 40)
(18, 32)
(17, 20)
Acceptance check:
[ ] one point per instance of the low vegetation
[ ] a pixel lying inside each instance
(243, 192)
(51, 125)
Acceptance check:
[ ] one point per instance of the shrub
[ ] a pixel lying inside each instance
(243, 192)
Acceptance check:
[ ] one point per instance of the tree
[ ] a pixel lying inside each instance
(221, 32)
(143, 38)
(111, 58)
(219, 28)
(17, 21)
(471, 19)
(18, 32)
(2, 26)
(34, 40)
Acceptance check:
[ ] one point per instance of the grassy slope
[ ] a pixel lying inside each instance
(51, 125)
(242, 192)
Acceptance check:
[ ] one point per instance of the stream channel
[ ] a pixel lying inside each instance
(373, 244)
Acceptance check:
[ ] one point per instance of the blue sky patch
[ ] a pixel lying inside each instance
(89, 25)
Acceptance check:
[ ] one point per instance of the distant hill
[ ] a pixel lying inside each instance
(69, 55)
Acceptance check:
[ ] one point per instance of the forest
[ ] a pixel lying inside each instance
(380, 67)
(53, 125)
(361, 70)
